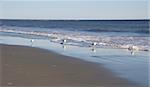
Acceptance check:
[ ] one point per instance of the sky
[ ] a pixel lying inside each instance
(74, 9)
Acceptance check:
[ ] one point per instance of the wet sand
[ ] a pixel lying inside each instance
(22, 66)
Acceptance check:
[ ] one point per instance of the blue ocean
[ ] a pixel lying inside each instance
(108, 33)
(113, 38)
(135, 26)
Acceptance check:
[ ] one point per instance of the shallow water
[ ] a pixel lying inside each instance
(103, 39)
(133, 67)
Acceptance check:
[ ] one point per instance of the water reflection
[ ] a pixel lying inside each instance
(93, 50)
(132, 53)
(64, 47)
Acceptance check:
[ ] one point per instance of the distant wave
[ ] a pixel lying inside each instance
(139, 26)
(120, 30)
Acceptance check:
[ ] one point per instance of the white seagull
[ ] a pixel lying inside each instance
(32, 40)
(63, 41)
(133, 48)
(94, 44)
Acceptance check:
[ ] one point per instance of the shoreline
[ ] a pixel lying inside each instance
(24, 66)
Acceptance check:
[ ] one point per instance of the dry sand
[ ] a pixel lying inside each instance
(33, 67)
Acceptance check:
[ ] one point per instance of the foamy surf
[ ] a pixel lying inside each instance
(76, 38)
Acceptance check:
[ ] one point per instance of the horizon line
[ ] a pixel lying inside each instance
(71, 19)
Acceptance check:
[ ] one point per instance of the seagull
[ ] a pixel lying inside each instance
(32, 40)
(94, 44)
(133, 48)
(63, 41)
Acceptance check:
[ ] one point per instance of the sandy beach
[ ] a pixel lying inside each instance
(23, 66)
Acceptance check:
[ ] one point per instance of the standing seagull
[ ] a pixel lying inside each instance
(94, 44)
(32, 40)
(133, 48)
(63, 41)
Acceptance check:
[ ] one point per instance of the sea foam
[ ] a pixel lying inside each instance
(79, 39)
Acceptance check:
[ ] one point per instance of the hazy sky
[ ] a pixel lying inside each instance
(74, 9)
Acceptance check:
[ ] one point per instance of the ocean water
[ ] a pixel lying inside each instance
(113, 38)
(106, 33)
